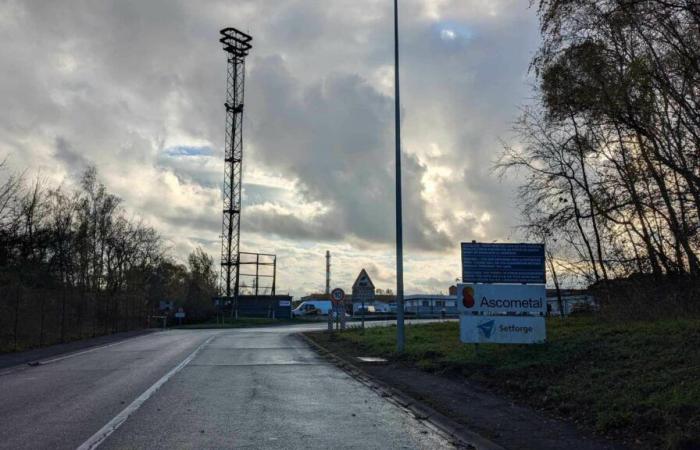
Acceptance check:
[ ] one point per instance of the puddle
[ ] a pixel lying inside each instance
(371, 359)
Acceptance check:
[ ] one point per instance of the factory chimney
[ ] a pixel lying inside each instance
(328, 272)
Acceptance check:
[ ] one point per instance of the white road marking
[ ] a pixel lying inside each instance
(70, 355)
(41, 362)
(111, 426)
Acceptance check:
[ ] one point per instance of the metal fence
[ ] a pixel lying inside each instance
(31, 317)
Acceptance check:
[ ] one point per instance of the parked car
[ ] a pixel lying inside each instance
(369, 309)
(312, 308)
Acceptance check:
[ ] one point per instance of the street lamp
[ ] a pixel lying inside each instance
(400, 333)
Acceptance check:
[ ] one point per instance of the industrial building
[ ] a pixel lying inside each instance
(423, 304)
(271, 306)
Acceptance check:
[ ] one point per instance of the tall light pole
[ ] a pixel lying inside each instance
(400, 334)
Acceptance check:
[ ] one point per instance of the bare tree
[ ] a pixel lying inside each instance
(610, 147)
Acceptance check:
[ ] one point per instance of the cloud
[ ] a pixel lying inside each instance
(184, 150)
(334, 138)
(196, 165)
(74, 161)
(281, 222)
(136, 88)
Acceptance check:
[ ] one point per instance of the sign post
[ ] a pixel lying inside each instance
(342, 315)
(363, 313)
(180, 314)
(338, 300)
(503, 297)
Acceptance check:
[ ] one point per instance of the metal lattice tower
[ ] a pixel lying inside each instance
(236, 45)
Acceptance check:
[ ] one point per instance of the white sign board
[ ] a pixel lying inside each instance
(501, 329)
(502, 299)
(285, 303)
(180, 315)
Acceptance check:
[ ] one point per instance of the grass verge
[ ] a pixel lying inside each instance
(638, 381)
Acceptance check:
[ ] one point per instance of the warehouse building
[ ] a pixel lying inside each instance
(425, 304)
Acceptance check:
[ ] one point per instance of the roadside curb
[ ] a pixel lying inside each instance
(461, 436)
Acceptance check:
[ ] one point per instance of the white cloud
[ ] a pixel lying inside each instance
(118, 84)
(448, 35)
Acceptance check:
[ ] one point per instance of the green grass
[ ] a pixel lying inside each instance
(243, 322)
(634, 381)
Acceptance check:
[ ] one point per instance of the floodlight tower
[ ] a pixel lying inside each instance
(236, 45)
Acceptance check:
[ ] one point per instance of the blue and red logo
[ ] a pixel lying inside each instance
(468, 297)
(486, 328)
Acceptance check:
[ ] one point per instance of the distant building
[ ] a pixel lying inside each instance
(277, 306)
(363, 292)
(430, 304)
(384, 302)
(375, 300)
(272, 306)
(316, 296)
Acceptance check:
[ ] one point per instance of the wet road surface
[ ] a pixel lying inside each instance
(239, 388)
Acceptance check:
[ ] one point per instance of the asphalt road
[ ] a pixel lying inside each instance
(239, 388)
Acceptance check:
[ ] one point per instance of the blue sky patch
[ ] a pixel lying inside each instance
(184, 150)
(451, 31)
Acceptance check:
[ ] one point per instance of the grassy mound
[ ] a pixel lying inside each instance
(637, 381)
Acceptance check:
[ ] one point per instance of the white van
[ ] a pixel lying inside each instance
(312, 308)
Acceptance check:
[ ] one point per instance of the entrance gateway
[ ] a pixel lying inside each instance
(502, 298)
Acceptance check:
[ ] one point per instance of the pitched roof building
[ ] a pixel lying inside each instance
(363, 281)
(363, 289)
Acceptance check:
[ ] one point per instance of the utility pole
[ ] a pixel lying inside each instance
(400, 334)
(328, 272)
(257, 275)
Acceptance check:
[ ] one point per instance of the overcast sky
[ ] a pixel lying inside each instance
(137, 88)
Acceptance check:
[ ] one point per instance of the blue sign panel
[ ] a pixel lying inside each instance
(502, 263)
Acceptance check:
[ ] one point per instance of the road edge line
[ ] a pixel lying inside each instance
(41, 362)
(419, 409)
(8, 370)
(110, 427)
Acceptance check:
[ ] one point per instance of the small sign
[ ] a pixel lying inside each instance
(285, 303)
(502, 263)
(337, 295)
(180, 315)
(502, 299)
(502, 329)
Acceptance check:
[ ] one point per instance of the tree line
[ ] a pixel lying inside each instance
(75, 264)
(610, 148)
